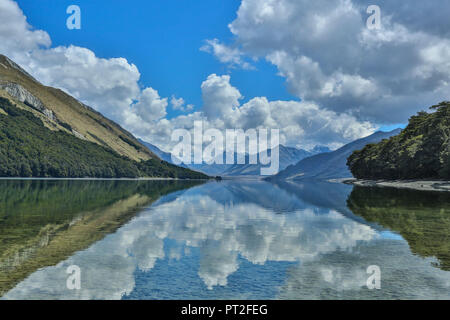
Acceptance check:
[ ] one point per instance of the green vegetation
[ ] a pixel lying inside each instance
(65, 125)
(29, 149)
(421, 151)
(66, 109)
(421, 218)
(131, 143)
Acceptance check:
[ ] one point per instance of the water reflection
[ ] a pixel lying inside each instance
(422, 218)
(45, 221)
(244, 240)
(342, 275)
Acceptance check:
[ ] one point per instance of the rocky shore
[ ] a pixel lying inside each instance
(424, 185)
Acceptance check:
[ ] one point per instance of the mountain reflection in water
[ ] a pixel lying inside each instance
(252, 240)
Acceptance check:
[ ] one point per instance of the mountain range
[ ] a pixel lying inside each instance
(287, 156)
(295, 164)
(45, 132)
(331, 165)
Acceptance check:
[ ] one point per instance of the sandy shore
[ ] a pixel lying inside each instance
(424, 185)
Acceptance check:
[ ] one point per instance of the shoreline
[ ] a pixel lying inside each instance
(107, 179)
(421, 185)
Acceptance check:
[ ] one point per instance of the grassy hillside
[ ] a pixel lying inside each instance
(421, 151)
(74, 116)
(30, 149)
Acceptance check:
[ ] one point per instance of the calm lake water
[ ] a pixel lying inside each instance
(221, 240)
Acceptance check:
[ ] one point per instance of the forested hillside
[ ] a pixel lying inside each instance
(62, 111)
(29, 149)
(421, 151)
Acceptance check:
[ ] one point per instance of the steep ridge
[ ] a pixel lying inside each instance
(61, 111)
(166, 156)
(30, 149)
(46, 133)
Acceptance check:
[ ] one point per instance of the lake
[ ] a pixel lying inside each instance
(231, 239)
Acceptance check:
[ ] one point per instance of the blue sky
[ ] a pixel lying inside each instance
(314, 70)
(162, 38)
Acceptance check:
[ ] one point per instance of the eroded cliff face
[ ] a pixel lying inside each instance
(23, 95)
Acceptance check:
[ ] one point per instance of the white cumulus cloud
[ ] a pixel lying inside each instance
(327, 54)
(111, 85)
(226, 54)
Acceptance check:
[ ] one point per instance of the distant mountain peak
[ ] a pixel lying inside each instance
(331, 165)
(287, 156)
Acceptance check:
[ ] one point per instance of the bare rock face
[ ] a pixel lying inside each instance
(78, 135)
(23, 95)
